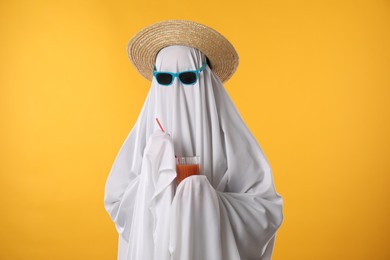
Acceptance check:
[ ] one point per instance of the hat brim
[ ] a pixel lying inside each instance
(143, 47)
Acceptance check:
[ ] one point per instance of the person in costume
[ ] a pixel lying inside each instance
(231, 210)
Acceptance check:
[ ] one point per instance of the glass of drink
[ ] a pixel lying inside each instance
(187, 166)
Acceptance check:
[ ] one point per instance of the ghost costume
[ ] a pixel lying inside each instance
(231, 211)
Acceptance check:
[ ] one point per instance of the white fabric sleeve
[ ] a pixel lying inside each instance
(122, 182)
(211, 225)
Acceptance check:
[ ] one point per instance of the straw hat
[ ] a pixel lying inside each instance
(143, 47)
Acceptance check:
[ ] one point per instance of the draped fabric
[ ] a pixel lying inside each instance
(231, 211)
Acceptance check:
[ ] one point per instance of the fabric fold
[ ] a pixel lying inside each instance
(153, 198)
(208, 236)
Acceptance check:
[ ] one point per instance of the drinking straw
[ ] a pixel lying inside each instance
(158, 122)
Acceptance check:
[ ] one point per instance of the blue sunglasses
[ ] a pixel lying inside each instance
(188, 77)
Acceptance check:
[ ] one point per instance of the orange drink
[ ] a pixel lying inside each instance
(187, 166)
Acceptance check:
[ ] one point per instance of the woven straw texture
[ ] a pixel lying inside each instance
(143, 47)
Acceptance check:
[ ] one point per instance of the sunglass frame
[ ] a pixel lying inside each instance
(177, 74)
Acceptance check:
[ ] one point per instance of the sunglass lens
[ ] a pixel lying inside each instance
(188, 77)
(164, 78)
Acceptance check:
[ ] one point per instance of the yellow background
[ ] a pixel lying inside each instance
(312, 85)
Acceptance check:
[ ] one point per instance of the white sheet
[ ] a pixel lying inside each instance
(232, 211)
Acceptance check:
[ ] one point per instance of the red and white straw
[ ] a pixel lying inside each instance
(158, 122)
